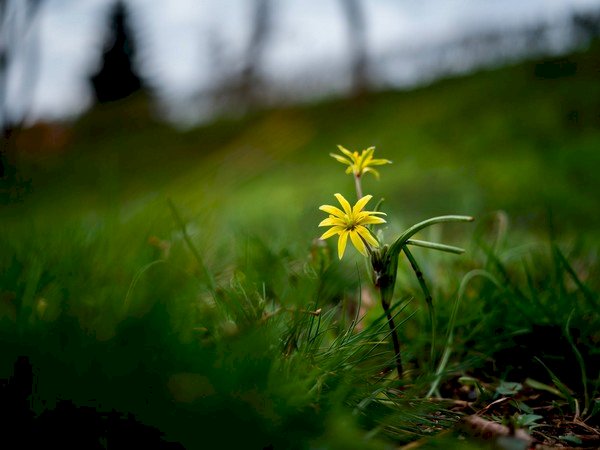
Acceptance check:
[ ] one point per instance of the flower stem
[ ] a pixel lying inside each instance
(428, 300)
(395, 339)
(358, 186)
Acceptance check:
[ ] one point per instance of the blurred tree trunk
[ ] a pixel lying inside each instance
(17, 36)
(249, 83)
(358, 45)
(587, 25)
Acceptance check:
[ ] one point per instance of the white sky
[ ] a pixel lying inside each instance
(177, 39)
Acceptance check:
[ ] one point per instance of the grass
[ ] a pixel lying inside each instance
(175, 276)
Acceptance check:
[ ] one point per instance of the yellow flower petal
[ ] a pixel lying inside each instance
(342, 243)
(332, 232)
(327, 222)
(368, 155)
(346, 152)
(351, 221)
(344, 203)
(341, 159)
(379, 162)
(332, 221)
(371, 220)
(359, 164)
(361, 204)
(333, 211)
(367, 236)
(358, 243)
(362, 214)
(373, 171)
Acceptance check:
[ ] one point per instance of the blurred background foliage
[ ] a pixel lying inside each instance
(171, 272)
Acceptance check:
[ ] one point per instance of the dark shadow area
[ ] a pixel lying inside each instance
(67, 425)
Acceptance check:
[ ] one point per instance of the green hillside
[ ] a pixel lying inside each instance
(175, 274)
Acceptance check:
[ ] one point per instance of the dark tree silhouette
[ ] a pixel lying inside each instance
(117, 78)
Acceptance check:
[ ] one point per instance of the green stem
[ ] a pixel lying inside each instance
(358, 186)
(428, 300)
(395, 339)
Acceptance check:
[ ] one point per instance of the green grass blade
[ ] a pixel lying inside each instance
(581, 362)
(591, 298)
(564, 390)
(452, 323)
(136, 278)
(206, 274)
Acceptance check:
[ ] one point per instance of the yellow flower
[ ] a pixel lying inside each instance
(360, 164)
(351, 222)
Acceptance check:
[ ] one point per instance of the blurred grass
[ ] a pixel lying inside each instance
(100, 289)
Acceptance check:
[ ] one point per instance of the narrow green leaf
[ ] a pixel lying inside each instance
(401, 241)
(436, 246)
(534, 384)
(428, 300)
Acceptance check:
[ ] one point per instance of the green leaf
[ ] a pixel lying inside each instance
(436, 246)
(526, 420)
(523, 407)
(571, 439)
(508, 388)
(534, 384)
(510, 443)
(404, 237)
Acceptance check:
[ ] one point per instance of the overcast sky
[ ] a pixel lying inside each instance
(176, 41)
